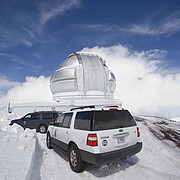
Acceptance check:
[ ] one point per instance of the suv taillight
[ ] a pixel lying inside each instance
(92, 140)
(138, 132)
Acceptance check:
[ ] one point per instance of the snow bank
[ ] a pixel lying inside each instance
(16, 150)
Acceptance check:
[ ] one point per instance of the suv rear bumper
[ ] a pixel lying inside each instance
(109, 157)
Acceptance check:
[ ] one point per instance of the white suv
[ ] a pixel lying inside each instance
(94, 135)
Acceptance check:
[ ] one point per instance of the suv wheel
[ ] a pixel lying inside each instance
(75, 160)
(42, 128)
(48, 141)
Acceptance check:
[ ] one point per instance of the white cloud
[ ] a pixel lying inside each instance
(26, 42)
(32, 90)
(140, 85)
(97, 27)
(156, 53)
(10, 38)
(16, 60)
(59, 8)
(167, 26)
(144, 29)
(29, 32)
(5, 83)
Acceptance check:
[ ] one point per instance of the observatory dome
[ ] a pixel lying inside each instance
(82, 76)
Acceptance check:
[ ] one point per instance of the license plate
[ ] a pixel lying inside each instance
(120, 139)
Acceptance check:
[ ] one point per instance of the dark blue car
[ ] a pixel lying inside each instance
(37, 120)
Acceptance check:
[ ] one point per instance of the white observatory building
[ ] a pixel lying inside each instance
(83, 79)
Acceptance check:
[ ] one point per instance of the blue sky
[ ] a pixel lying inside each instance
(36, 36)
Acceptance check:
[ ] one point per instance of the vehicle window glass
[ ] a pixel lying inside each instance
(28, 116)
(67, 120)
(35, 116)
(47, 115)
(55, 115)
(113, 119)
(83, 120)
(59, 120)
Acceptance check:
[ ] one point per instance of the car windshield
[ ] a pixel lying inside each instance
(28, 116)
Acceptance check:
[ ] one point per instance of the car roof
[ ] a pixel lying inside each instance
(45, 112)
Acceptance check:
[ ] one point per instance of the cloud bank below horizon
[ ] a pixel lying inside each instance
(141, 84)
(32, 90)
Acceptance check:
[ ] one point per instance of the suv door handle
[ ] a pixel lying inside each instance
(67, 132)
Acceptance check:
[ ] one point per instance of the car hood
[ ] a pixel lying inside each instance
(15, 121)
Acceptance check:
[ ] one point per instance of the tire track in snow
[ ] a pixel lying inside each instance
(35, 168)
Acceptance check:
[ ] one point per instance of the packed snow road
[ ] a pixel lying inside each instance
(157, 160)
(24, 155)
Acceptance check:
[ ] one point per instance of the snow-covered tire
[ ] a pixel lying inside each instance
(42, 128)
(75, 160)
(48, 141)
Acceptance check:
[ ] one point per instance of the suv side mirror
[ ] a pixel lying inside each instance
(52, 122)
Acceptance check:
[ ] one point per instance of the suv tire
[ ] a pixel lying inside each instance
(42, 128)
(75, 160)
(48, 141)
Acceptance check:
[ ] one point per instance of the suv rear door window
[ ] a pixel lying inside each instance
(67, 120)
(112, 119)
(83, 120)
(55, 115)
(35, 116)
(59, 120)
(47, 115)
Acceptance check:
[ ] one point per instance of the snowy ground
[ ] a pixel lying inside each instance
(16, 150)
(24, 155)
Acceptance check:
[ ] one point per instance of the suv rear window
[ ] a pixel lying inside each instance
(104, 120)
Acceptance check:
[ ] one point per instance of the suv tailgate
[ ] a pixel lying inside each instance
(111, 140)
(115, 129)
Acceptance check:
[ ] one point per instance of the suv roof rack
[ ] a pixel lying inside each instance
(82, 107)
